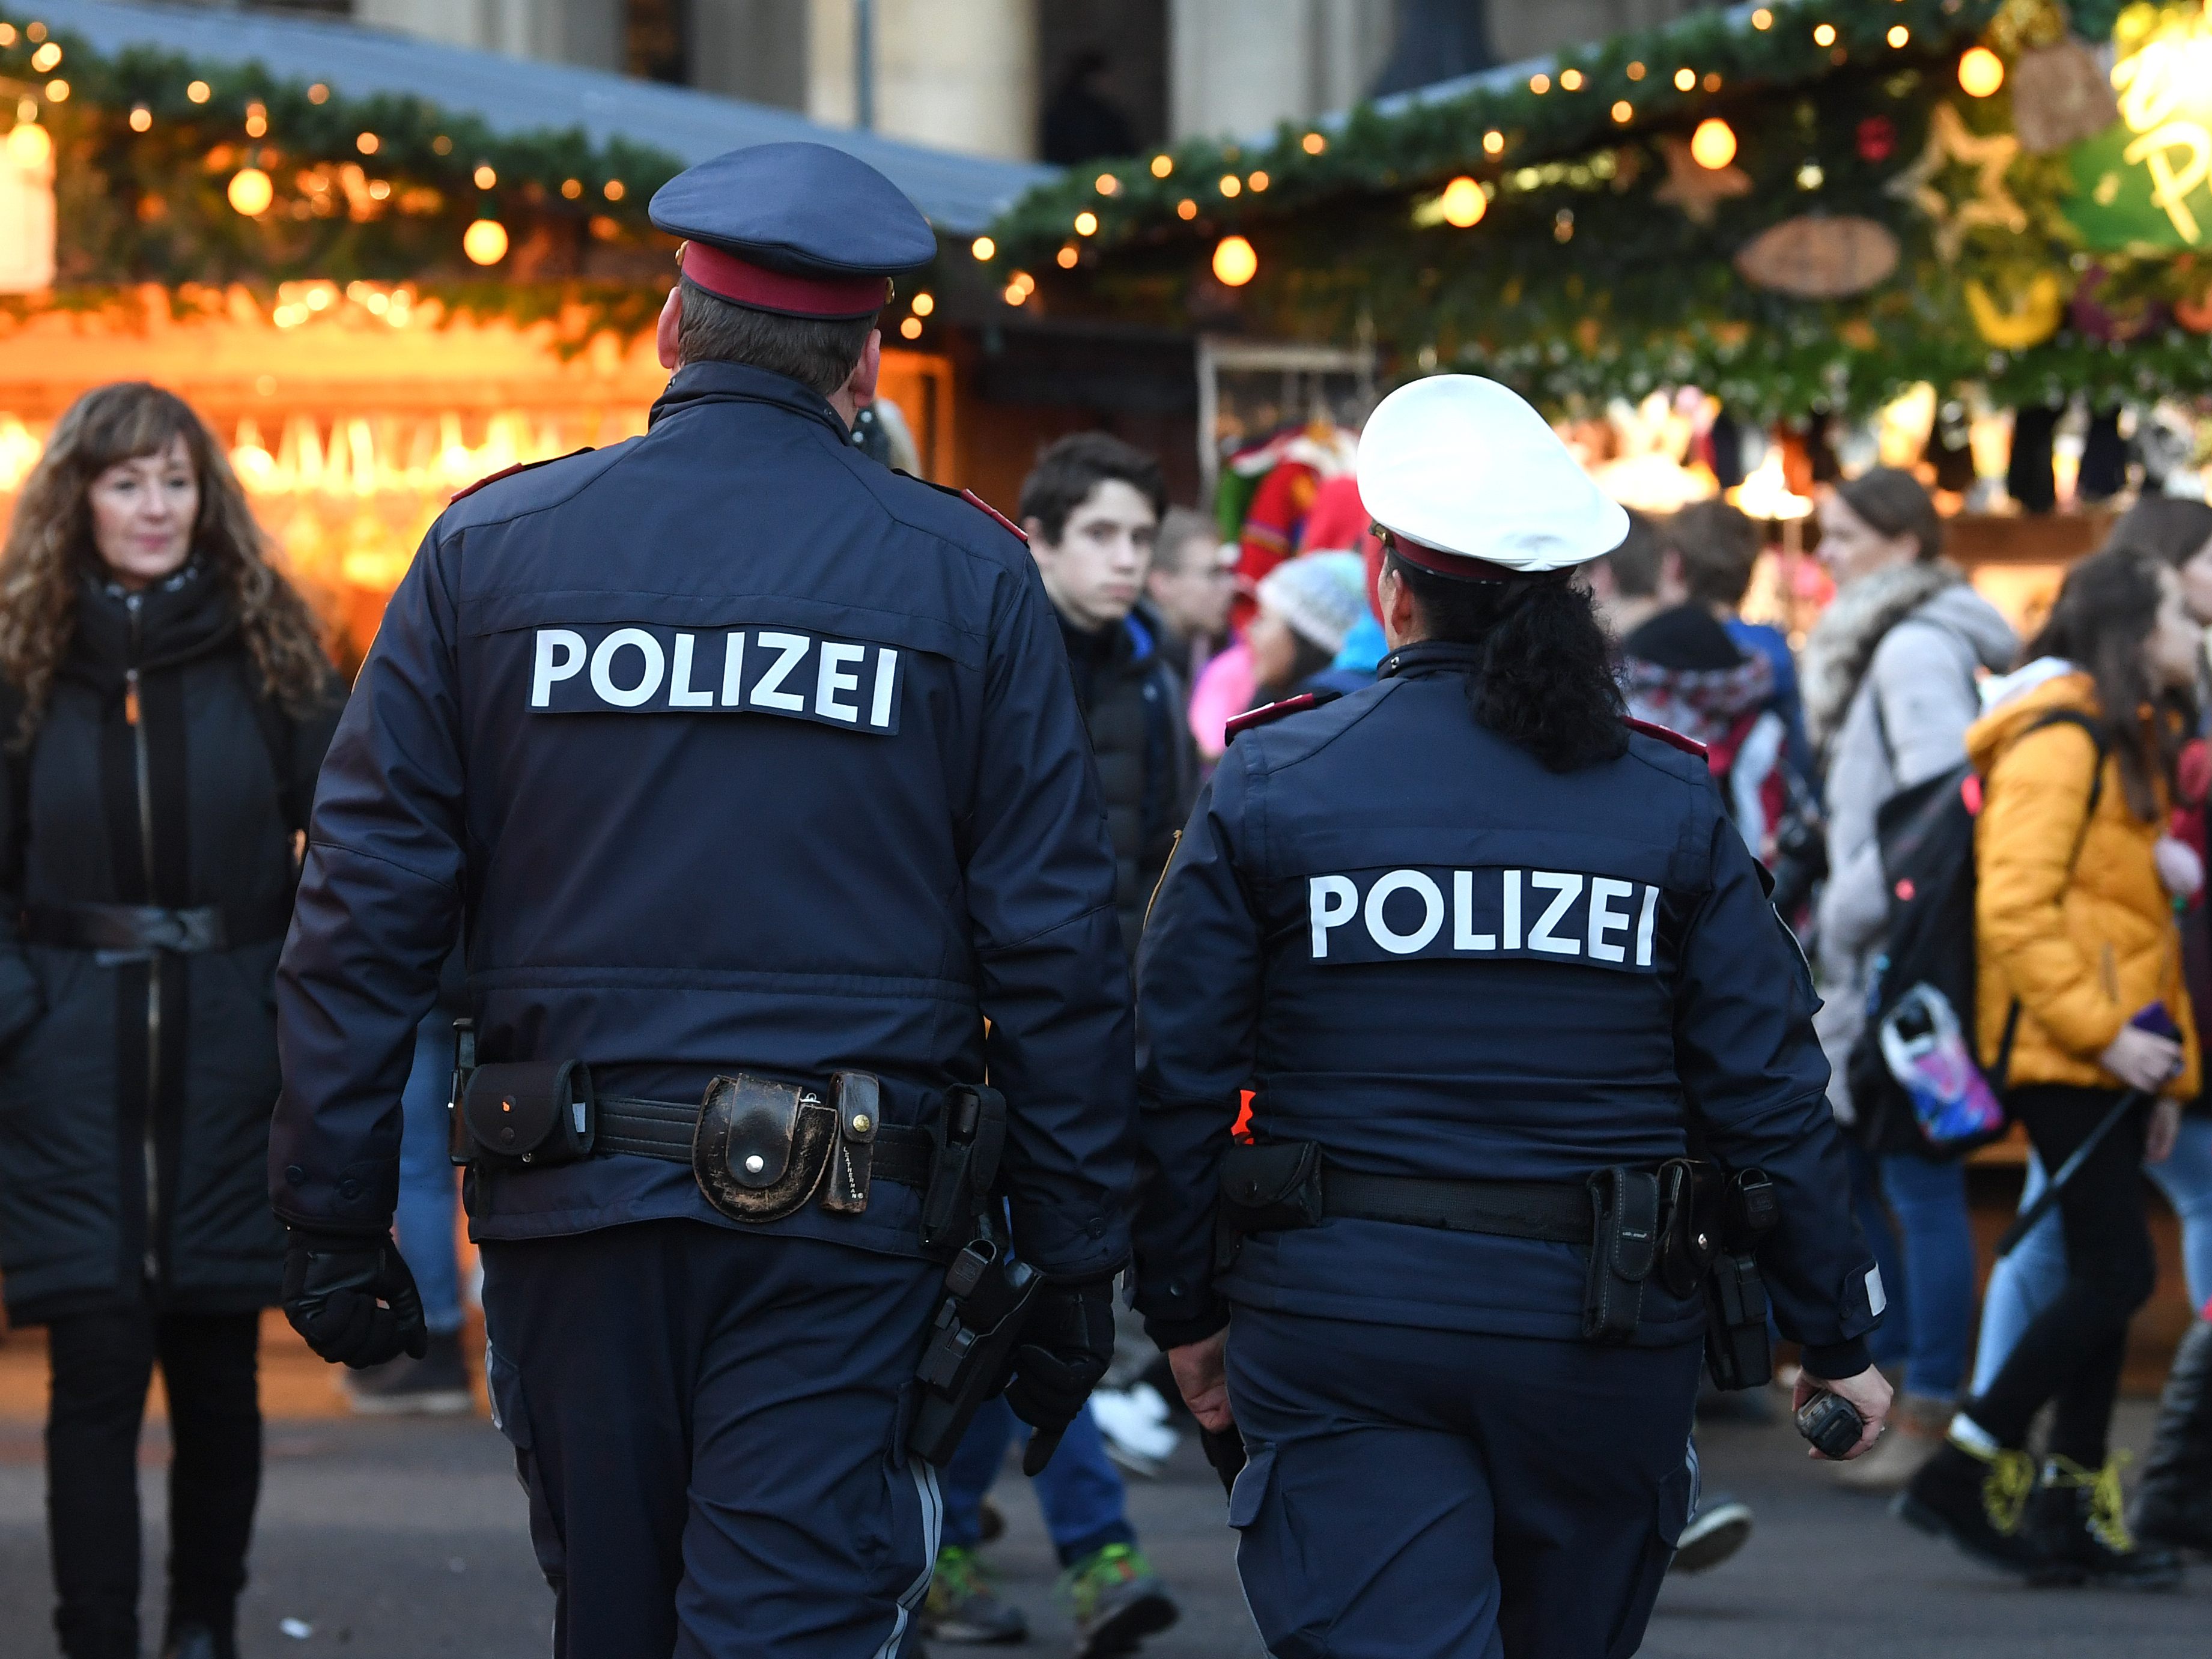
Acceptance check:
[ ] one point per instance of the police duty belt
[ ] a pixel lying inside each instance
(761, 1149)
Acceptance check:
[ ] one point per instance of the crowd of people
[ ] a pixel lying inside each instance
(167, 705)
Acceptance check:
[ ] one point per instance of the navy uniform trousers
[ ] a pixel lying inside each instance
(1428, 1494)
(711, 1427)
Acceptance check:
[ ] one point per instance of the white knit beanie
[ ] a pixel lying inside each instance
(1321, 595)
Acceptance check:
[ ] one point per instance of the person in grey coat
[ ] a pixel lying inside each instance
(1890, 680)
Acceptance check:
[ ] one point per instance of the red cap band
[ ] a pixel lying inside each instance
(1454, 565)
(742, 282)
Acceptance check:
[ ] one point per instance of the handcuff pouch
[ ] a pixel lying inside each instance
(530, 1114)
(762, 1147)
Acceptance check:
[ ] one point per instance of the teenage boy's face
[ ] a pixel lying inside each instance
(1096, 571)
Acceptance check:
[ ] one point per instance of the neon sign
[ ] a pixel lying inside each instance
(2164, 87)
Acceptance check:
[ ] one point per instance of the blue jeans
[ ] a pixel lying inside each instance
(427, 1180)
(1930, 1202)
(1079, 1492)
(1891, 1340)
(2023, 1282)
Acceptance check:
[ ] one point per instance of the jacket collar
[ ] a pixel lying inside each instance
(722, 383)
(1430, 657)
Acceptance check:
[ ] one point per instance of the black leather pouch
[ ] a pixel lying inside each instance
(1692, 1198)
(532, 1114)
(857, 1098)
(1624, 1248)
(1269, 1185)
(762, 1147)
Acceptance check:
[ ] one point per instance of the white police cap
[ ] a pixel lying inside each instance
(1472, 483)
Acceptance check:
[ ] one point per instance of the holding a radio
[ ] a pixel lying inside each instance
(2075, 928)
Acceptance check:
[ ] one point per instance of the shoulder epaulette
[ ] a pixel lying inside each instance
(979, 504)
(509, 472)
(1674, 739)
(1269, 712)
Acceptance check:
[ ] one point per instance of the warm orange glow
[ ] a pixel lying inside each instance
(1712, 146)
(1570, 80)
(250, 192)
(1235, 263)
(1163, 166)
(910, 328)
(57, 92)
(1635, 71)
(1684, 78)
(142, 118)
(982, 248)
(1981, 72)
(1107, 184)
(1824, 35)
(612, 190)
(1493, 142)
(1899, 36)
(1762, 19)
(1086, 223)
(1313, 143)
(1186, 208)
(1230, 184)
(1539, 84)
(30, 145)
(485, 176)
(1463, 203)
(572, 188)
(366, 143)
(1016, 294)
(924, 303)
(485, 242)
(45, 58)
(1066, 257)
(318, 93)
(199, 92)
(257, 121)
(1257, 181)
(1623, 112)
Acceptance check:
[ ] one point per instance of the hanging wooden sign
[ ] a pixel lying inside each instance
(1817, 257)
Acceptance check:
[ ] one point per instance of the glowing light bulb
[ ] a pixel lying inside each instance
(250, 192)
(30, 145)
(1235, 263)
(485, 242)
(1463, 203)
(982, 248)
(1981, 72)
(1712, 146)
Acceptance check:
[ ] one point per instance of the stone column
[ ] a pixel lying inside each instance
(953, 74)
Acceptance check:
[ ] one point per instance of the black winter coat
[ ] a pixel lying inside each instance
(137, 1085)
(1133, 709)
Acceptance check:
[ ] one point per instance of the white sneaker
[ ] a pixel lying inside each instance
(1134, 1423)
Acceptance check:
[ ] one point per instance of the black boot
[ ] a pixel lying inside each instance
(196, 1641)
(2074, 1519)
(2174, 1506)
(1977, 1501)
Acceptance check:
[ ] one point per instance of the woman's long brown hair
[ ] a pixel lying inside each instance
(50, 548)
(2105, 612)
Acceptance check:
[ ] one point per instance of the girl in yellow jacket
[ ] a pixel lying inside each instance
(2079, 963)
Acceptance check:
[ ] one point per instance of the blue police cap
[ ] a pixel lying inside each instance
(800, 229)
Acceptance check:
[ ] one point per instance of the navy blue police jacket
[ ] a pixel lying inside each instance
(737, 751)
(1434, 958)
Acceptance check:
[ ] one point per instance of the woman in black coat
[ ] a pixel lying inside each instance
(164, 701)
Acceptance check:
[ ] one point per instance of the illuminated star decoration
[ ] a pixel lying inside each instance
(1991, 205)
(1698, 190)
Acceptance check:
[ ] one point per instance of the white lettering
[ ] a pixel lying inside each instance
(1604, 919)
(766, 694)
(1512, 909)
(647, 647)
(680, 694)
(879, 711)
(734, 668)
(547, 672)
(1464, 938)
(830, 680)
(1330, 901)
(1643, 927)
(1540, 937)
(1404, 881)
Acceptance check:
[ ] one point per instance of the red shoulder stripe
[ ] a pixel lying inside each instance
(1666, 735)
(509, 472)
(1270, 711)
(974, 500)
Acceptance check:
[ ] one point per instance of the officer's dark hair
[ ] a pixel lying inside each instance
(1635, 563)
(1069, 470)
(1545, 678)
(1718, 545)
(814, 352)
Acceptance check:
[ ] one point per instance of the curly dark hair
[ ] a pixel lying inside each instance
(1546, 681)
(49, 547)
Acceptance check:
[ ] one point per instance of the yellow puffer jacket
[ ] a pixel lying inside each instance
(2083, 951)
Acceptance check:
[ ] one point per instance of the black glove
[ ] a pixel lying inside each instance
(352, 1299)
(1065, 1349)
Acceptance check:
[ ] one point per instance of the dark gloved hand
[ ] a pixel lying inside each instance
(352, 1299)
(1064, 1351)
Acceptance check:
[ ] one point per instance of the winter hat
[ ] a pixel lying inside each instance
(1321, 595)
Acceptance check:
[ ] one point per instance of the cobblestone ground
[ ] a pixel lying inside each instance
(388, 1540)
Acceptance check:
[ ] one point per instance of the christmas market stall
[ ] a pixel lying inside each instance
(1956, 234)
(383, 268)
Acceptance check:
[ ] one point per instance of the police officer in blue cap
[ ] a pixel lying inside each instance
(754, 772)
(1494, 961)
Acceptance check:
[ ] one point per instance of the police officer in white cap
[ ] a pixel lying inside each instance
(1494, 963)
